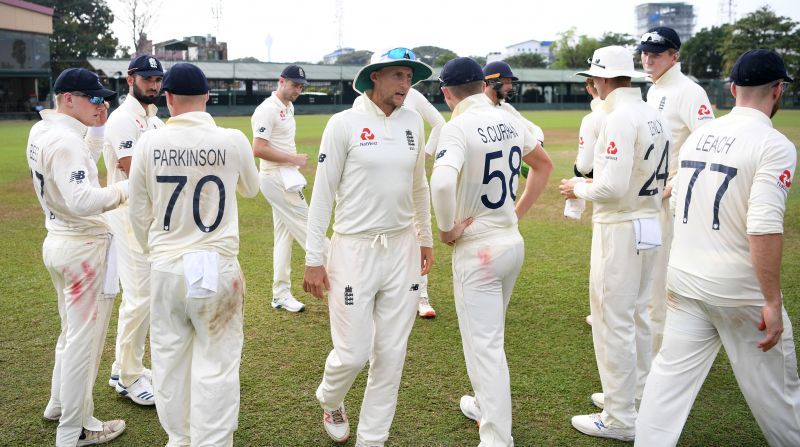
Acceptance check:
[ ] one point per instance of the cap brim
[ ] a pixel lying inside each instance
(297, 80)
(421, 71)
(102, 92)
(652, 48)
(597, 72)
(146, 73)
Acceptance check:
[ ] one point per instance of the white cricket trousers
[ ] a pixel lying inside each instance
(134, 310)
(372, 303)
(657, 308)
(693, 334)
(484, 272)
(196, 345)
(620, 281)
(77, 267)
(289, 220)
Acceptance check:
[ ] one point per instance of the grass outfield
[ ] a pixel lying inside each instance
(548, 344)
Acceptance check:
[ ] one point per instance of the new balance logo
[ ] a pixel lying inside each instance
(414, 288)
(126, 144)
(261, 129)
(441, 154)
(321, 158)
(77, 176)
(348, 296)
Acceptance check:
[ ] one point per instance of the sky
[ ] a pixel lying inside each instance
(307, 30)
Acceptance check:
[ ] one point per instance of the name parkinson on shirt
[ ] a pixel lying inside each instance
(189, 157)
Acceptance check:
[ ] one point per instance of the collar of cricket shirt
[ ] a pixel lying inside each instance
(135, 106)
(370, 107)
(621, 95)
(752, 114)
(674, 72)
(469, 102)
(192, 119)
(596, 104)
(64, 120)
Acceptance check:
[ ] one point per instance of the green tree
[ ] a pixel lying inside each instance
(625, 40)
(527, 60)
(701, 55)
(359, 57)
(572, 51)
(479, 59)
(430, 54)
(81, 29)
(442, 58)
(764, 29)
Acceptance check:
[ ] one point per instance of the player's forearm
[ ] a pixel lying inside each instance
(541, 168)
(263, 150)
(443, 195)
(611, 186)
(765, 253)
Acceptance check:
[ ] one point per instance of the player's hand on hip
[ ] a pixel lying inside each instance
(772, 322)
(426, 259)
(315, 281)
(301, 160)
(450, 237)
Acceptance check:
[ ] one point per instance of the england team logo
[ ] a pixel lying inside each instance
(153, 63)
(348, 296)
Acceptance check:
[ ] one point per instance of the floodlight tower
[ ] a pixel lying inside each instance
(216, 12)
(727, 11)
(339, 20)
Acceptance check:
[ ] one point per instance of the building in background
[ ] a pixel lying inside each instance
(676, 15)
(25, 30)
(193, 48)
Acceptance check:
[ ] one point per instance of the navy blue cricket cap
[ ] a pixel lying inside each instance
(498, 69)
(145, 65)
(185, 79)
(659, 39)
(758, 67)
(460, 70)
(82, 80)
(295, 73)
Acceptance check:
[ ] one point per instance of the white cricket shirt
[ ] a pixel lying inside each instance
(587, 136)
(373, 167)
(535, 131)
(485, 144)
(630, 163)
(184, 179)
(273, 121)
(64, 172)
(683, 104)
(124, 127)
(733, 182)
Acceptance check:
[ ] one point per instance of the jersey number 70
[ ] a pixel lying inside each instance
(180, 181)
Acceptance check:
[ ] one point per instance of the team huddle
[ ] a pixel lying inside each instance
(687, 223)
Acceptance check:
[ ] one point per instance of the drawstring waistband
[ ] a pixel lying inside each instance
(379, 237)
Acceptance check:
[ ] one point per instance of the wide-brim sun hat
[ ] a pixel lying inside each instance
(611, 62)
(402, 57)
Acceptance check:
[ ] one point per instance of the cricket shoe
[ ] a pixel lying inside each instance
(589, 320)
(141, 392)
(289, 303)
(424, 308)
(114, 378)
(52, 412)
(593, 425)
(111, 430)
(336, 424)
(599, 400)
(469, 406)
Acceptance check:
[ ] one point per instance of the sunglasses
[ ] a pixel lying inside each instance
(96, 100)
(400, 53)
(657, 38)
(595, 63)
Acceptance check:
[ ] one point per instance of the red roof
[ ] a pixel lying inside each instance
(29, 6)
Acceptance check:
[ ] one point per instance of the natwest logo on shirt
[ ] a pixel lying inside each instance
(704, 113)
(366, 138)
(580, 141)
(786, 179)
(612, 148)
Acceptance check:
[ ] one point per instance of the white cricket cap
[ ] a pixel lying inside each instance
(611, 62)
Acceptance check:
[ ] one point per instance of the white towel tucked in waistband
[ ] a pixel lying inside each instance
(648, 233)
(111, 280)
(201, 270)
(293, 180)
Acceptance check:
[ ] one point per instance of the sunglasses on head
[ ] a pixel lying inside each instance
(595, 63)
(657, 39)
(400, 53)
(96, 100)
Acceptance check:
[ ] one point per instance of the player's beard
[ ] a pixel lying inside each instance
(142, 97)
